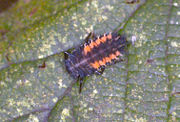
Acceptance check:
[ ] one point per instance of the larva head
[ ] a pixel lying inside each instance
(70, 68)
(69, 63)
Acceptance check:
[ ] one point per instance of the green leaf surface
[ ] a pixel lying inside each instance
(35, 86)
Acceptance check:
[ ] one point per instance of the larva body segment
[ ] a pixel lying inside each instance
(95, 55)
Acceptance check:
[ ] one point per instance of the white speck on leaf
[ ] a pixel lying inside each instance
(133, 39)
(95, 91)
(175, 4)
(55, 99)
(178, 13)
(175, 44)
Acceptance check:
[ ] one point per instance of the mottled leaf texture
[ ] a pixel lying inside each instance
(35, 86)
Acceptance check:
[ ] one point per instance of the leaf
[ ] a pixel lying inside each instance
(34, 85)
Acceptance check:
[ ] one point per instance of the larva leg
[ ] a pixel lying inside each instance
(100, 71)
(81, 83)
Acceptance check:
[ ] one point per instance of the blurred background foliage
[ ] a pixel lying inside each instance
(34, 85)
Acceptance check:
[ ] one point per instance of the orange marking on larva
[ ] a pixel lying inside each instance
(91, 45)
(103, 39)
(98, 41)
(118, 53)
(95, 44)
(109, 36)
(112, 56)
(102, 62)
(108, 59)
(95, 65)
(87, 49)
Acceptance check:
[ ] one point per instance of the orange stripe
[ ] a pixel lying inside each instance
(103, 39)
(91, 45)
(98, 41)
(105, 60)
(87, 49)
(102, 62)
(109, 36)
(95, 65)
(108, 59)
(112, 56)
(118, 53)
